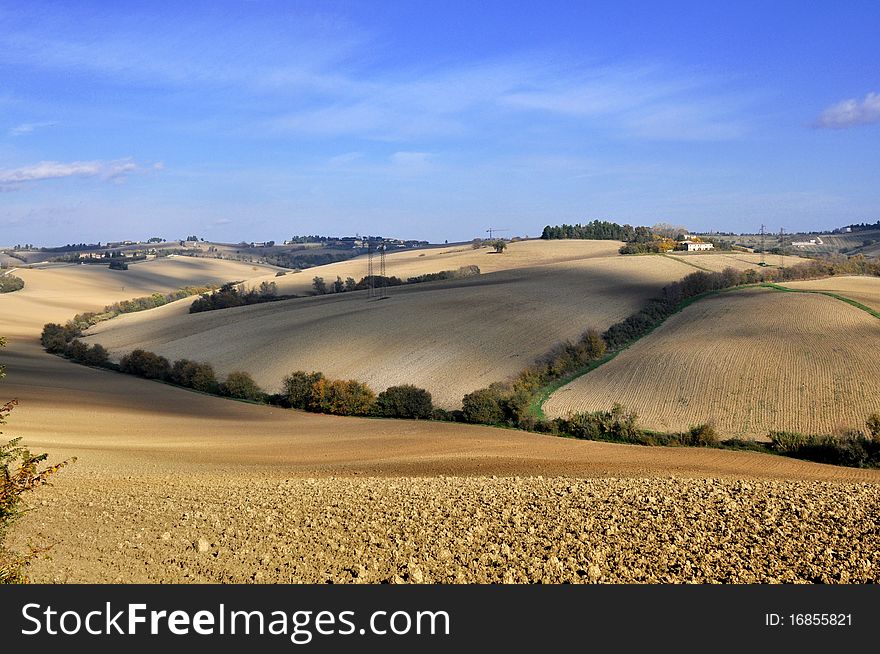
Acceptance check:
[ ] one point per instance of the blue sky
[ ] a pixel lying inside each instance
(259, 120)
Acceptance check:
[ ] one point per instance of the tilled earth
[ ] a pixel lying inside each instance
(455, 530)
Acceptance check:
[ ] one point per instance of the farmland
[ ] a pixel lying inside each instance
(751, 361)
(199, 488)
(449, 337)
(865, 290)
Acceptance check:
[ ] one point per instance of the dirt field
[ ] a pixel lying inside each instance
(718, 261)
(449, 337)
(409, 263)
(752, 361)
(865, 290)
(172, 485)
(458, 530)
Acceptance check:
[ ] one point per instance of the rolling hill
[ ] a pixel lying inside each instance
(752, 361)
(449, 337)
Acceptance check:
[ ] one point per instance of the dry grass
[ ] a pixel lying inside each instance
(448, 337)
(751, 361)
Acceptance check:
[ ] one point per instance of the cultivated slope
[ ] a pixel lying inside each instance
(409, 263)
(865, 290)
(55, 293)
(448, 337)
(752, 361)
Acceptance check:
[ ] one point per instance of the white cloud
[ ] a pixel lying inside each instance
(851, 113)
(27, 128)
(13, 178)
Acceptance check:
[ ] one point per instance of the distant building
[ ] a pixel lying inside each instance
(693, 246)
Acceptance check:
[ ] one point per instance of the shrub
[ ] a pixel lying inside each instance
(616, 424)
(10, 283)
(77, 350)
(404, 401)
(704, 435)
(19, 474)
(145, 364)
(195, 375)
(241, 385)
(297, 388)
(482, 406)
(97, 355)
(342, 397)
(873, 425)
(852, 449)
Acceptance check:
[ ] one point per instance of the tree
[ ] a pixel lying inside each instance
(406, 401)
(499, 246)
(483, 406)
(338, 285)
(145, 364)
(297, 388)
(319, 285)
(341, 397)
(241, 385)
(350, 284)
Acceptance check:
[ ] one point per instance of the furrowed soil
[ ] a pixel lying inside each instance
(751, 361)
(865, 290)
(450, 337)
(173, 485)
(458, 530)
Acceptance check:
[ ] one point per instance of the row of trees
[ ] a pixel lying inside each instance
(598, 230)
(232, 294)
(320, 286)
(83, 321)
(10, 283)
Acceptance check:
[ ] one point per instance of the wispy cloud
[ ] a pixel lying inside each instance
(14, 178)
(851, 113)
(27, 128)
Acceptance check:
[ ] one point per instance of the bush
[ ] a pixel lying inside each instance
(483, 406)
(341, 397)
(873, 425)
(77, 350)
(297, 388)
(704, 435)
(616, 424)
(10, 283)
(19, 474)
(241, 385)
(145, 364)
(852, 449)
(198, 376)
(404, 401)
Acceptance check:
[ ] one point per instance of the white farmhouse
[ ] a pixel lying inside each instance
(694, 246)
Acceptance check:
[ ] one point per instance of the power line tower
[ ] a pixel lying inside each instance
(782, 247)
(491, 230)
(371, 280)
(383, 286)
(763, 249)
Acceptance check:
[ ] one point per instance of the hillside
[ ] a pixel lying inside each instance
(718, 261)
(752, 361)
(861, 289)
(449, 337)
(57, 292)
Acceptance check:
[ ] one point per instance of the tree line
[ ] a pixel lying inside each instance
(321, 287)
(233, 294)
